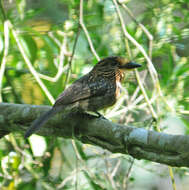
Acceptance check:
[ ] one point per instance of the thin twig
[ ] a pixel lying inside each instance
(79, 157)
(56, 77)
(145, 95)
(125, 181)
(148, 34)
(146, 31)
(67, 179)
(28, 63)
(50, 34)
(10, 82)
(127, 35)
(150, 66)
(5, 53)
(60, 68)
(108, 173)
(86, 32)
(74, 46)
(72, 56)
(184, 112)
(3, 11)
(134, 96)
(171, 173)
(114, 171)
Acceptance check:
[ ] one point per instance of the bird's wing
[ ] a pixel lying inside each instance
(82, 89)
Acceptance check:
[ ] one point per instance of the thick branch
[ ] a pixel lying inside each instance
(137, 142)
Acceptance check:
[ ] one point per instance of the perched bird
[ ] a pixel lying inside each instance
(94, 91)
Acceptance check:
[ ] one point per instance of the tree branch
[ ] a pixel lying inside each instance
(137, 142)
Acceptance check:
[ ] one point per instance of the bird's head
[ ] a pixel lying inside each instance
(115, 63)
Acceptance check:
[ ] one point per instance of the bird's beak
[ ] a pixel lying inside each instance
(131, 65)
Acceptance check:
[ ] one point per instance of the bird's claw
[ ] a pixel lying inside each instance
(100, 116)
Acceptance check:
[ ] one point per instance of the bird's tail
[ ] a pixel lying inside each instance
(39, 122)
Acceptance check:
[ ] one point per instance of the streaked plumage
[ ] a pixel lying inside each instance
(94, 91)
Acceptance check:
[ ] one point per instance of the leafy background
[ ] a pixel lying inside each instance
(47, 31)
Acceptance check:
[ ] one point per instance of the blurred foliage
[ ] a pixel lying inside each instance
(45, 29)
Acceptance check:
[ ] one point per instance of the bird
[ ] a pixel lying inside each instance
(98, 89)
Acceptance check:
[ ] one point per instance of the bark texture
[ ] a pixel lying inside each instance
(137, 142)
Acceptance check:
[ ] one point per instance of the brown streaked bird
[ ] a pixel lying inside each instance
(94, 91)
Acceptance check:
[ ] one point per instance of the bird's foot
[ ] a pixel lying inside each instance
(100, 116)
(89, 114)
(92, 115)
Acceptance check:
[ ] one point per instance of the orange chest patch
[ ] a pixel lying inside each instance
(119, 78)
(118, 91)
